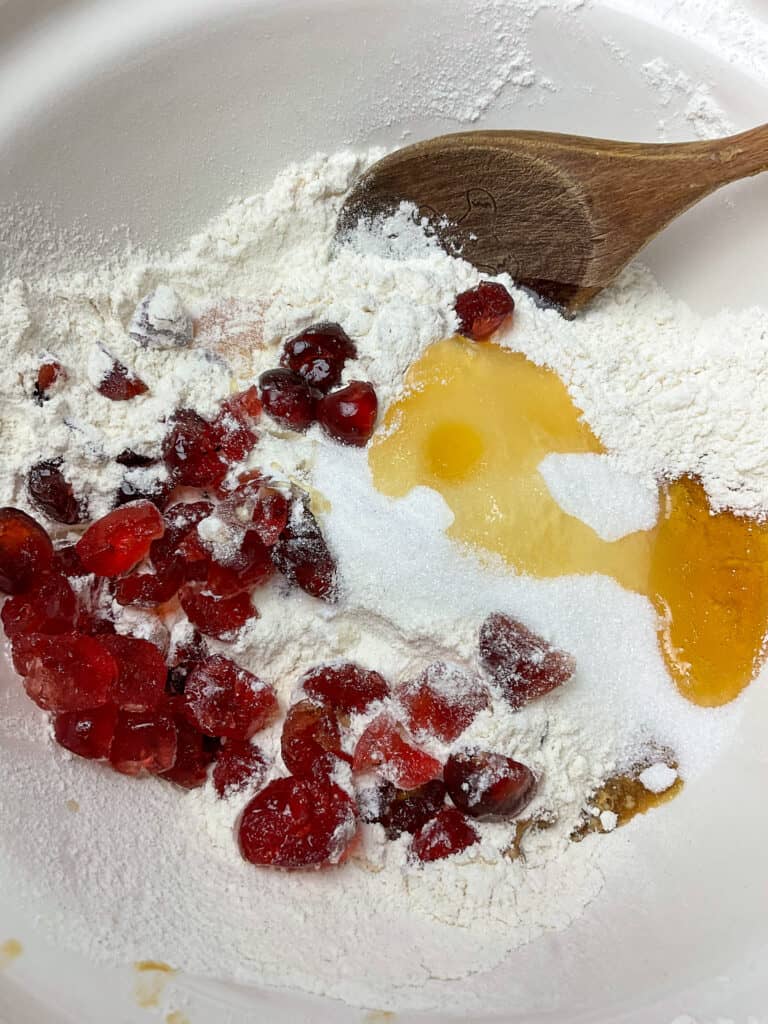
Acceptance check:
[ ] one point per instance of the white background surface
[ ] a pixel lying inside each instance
(151, 115)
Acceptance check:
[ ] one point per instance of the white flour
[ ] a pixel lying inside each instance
(149, 872)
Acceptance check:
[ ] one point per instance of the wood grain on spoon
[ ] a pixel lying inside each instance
(561, 214)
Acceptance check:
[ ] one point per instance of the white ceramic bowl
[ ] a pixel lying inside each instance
(150, 114)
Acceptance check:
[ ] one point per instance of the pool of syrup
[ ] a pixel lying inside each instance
(474, 424)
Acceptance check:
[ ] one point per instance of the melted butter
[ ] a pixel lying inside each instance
(474, 425)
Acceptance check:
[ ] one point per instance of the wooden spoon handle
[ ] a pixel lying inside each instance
(720, 161)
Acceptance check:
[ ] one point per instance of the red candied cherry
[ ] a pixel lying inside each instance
(253, 566)
(382, 749)
(234, 424)
(51, 492)
(134, 460)
(138, 487)
(25, 550)
(121, 384)
(482, 310)
(143, 741)
(86, 733)
(194, 755)
(400, 810)
(118, 541)
(141, 672)
(47, 375)
(67, 562)
(318, 355)
(443, 701)
(191, 451)
(486, 785)
(65, 671)
(219, 617)
(298, 823)
(311, 739)
(448, 833)
(270, 515)
(223, 699)
(147, 590)
(302, 554)
(345, 686)
(522, 664)
(183, 658)
(240, 764)
(349, 414)
(288, 399)
(180, 521)
(49, 606)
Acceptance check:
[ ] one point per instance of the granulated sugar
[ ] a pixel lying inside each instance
(147, 871)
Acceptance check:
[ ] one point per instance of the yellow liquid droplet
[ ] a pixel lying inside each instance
(474, 425)
(152, 979)
(9, 951)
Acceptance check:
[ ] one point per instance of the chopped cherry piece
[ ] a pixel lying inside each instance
(50, 606)
(25, 550)
(523, 664)
(233, 425)
(400, 810)
(65, 671)
(47, 375)
(318, 355)
(345, 686)
(180, 521)
(298, 823)
(191, 451)
(486, 785)
(132, 460)
(270, 515)
(225, 700)
(288, 399)
(239, 764)
(121, 384)
(51, 492)
(147, 590)
(143, 741)
(482, 310)
(449, 832)
(235, 439)
(140, 684)
(382, 749)
(183, 659)
(134, 487)
(254, 566)
(443, 701)
(86, 733)
(194, 754)
(349, 414)
(302, 555)
(217, 616)
(311, 739)
(67, 562)
(114, 544)
(245, 404)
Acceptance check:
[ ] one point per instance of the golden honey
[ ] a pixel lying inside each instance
(475, 423)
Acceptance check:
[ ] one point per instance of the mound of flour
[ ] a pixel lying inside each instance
(144, 871)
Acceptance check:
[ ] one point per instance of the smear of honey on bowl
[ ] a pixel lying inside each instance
(10, 950)
(475, 423)
(151, 981)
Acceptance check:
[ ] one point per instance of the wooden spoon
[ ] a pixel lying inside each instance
(560, 213)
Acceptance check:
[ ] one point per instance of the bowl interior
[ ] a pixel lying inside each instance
(127, 119)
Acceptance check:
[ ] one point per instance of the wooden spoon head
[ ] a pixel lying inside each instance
(504, 209)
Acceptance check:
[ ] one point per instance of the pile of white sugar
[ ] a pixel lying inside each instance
(145, 871)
